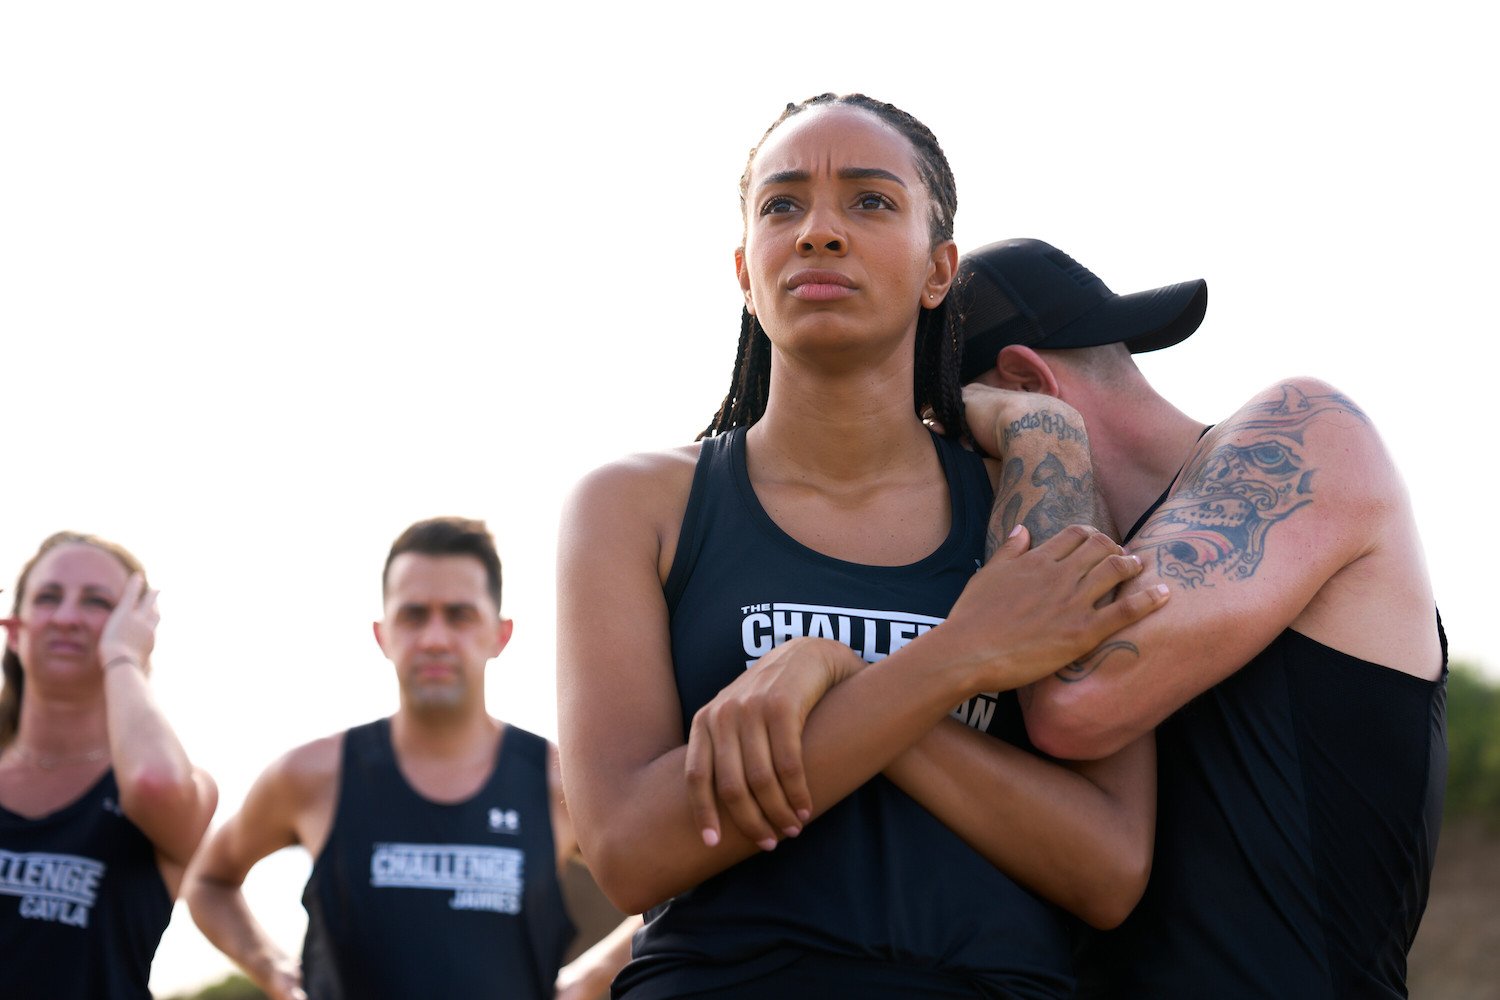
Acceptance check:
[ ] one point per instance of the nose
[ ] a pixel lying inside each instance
(821, 233)
(67, 614)
(435, 634)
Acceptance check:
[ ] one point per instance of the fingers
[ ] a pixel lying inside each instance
(700, 780)
(1081, 542)
(785, 735)
(131, 597)
(1134, 606)
(731, 784)
(764, 815)
(731, 764)
(1108, 573)
(1014, 546)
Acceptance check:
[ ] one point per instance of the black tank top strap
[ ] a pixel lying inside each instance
(522, 771)
(713, 467)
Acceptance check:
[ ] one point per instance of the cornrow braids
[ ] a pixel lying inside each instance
(749, 385)
(939, 338)
(939, 355)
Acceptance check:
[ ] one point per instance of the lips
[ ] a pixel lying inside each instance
(817, 285)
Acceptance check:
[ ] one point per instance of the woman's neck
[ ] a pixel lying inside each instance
(839, 429)
(61, 726)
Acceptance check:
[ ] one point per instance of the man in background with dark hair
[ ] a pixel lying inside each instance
(1296, 675)
(438, 834)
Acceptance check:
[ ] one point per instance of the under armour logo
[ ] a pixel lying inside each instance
(505, 821)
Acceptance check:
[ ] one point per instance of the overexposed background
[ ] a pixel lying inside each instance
(278, 279)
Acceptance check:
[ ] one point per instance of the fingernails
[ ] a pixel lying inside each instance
(804, 815)
(769, 844)
(1161, 590)
(791, 831)
(1014, 531)
(710, 837)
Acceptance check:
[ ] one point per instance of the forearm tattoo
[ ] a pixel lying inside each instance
(1057, 494)
(1215, 526)
(1083, 667)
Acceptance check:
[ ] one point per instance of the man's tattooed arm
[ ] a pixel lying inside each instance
(1046, 479)
(1047, 483)
(1249, 475)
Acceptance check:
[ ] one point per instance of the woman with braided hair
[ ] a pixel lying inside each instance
(100, 808)
(747, 629)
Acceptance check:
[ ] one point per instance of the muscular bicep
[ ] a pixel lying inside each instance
(1272, 505)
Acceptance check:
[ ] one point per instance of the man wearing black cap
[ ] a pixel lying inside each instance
(1295, 678)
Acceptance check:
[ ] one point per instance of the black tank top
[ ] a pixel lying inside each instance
(82, 902)
(875, 893)
(411, 898)
(1298, 810)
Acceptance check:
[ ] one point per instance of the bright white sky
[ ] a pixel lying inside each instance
(277, 279)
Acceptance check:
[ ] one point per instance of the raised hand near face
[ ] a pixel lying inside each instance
(130, 632)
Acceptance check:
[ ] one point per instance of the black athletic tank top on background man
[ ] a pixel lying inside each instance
(876, 898)
(412, 898)
(1297, 817)
(82, 902)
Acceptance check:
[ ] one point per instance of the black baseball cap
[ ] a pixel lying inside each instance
(1031, 293)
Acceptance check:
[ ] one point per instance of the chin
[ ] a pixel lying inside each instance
(436, 699)
(68, 669)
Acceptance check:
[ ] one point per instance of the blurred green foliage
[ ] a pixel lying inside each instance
(1473, 745)
(236, 987)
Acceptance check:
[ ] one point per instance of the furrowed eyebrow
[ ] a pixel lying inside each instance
(869, 173)
(848, 174)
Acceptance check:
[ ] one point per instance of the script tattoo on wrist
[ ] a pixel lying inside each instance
(1253, 477)
(1082, 668)
(1051, 424)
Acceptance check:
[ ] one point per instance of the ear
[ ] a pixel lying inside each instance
(742, 274)
(502, 635)
(379, 629)
(1025, 370)
(12, 628)
(943, 266)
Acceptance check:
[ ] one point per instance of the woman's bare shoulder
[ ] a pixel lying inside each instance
(647, 484)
